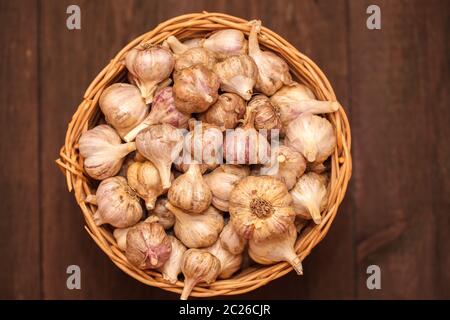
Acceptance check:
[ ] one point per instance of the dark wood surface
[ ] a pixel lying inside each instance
(393, 82)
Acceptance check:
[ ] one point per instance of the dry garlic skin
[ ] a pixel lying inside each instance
(310, 196)
(312, 136)
(231, 241)
(172, 268)
(195, 56)
(147, 246)
(144, 178)
(123, 107)
(226, 112)
(165, 217)
(225, 43)
(118, 204)
(260, 207)
(229, 263)
(266, 114)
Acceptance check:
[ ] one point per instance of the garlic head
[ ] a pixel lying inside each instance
(165, 217)
(172, 268)
(231, 241)
(229, 263)
(225, 43)
(226, 112)
(266, 114)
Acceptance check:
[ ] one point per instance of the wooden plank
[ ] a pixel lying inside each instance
(399, 97)
(19, 151)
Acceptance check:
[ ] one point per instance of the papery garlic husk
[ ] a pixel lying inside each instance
(163, 111)
(238, 75)
(120, 234)
(300, 223)
(277, 249)
(260, 207)
(165, 217)
(161, 144)
(127, 162)
(123, 107)
(144, 178)
(317, 167)
(231, 241)
(238, 170)
(312, 136)
(186, 57)
(273, 71)
(190, 192)
(172, 268)
(266, 114)
(229, 263)
(226, 112)
(295, 99)
(198, 266)
(225, 43)
(221, 184)
(103, 151)
(199, 230)
(204, 143)
(148, 246)
(287, 165)
(193, 43)
(195, 89)
(245, 145)
(149, 65)
(118, 204)
(186, 161)
(310, 196)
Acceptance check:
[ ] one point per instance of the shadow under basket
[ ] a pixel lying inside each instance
(88, 115)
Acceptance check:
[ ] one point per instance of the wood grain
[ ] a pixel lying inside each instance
(19, 153)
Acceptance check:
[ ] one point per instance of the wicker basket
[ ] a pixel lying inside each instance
(88, 114)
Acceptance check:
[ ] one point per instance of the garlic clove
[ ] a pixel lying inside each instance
(198, 266)
(312, 136)
(238, 75)
(190, 192)
(118, 204)
(161, 144)
(229, 263)
(172, 268)
(260, 207)
(310, 196)
(149, 65)
(195, 89)
(273, 71)
(280, 248)
(165, 217)
(147, 246)
(103, 151)
(225, 43)
(120, 234)
(163, 111)
(197, 231)
(226, 112)
(231, 241)
(123, 107)
(266, 114)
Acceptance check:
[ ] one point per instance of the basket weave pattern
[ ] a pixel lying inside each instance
(88, 114)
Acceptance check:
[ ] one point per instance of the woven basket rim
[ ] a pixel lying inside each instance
(185, 26)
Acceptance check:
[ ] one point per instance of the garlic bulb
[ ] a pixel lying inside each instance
(117, 203)
(287, 165)
(183, 165)
(103, 151)
(148, 66)
(226, 112)
(245, 145)
(273, 71)
(295, 99)
(279, 248)
(310, 196)
(120, 234)
(172, 268)
(197, 231)
(241, 171)
(229, 263)
(163, 111)
(204, 143)
(193, 43)
(123, 107)
(144, 178)
(260, 207)
(238, 75)
(190, 192)
(266, 115)
(161, 144)
(186, 57)
(312, 136)
(195, 89)
(198, 266)
(147, 246)
(221, 184)
(165, 217)
(224, 43)
(231, 241)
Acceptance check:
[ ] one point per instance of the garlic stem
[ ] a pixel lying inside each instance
(176, 46)
(91, 198)
(130, 136)
(295, 262)
(314, 211)
(253, 45)
(189, 284)
(316, 106)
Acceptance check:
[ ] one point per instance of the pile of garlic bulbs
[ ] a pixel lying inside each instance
(211, 154)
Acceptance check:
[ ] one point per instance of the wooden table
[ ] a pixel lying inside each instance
(393, 82)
